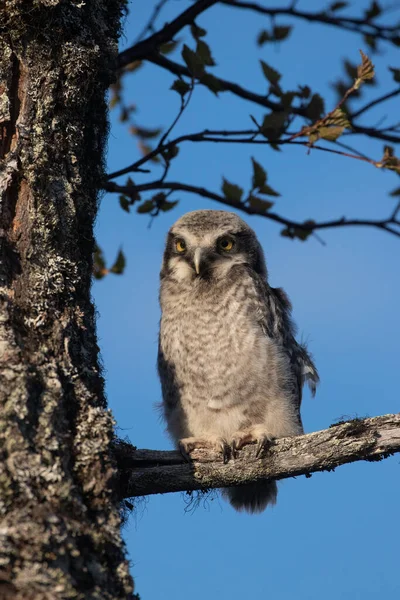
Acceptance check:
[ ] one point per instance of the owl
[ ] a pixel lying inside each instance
(230, 367)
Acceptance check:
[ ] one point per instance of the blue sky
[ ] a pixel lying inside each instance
(334, 535)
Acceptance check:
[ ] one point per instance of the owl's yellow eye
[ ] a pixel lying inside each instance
(225, 244)
(180, 246)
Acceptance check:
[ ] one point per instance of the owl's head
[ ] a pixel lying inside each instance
(208, 243)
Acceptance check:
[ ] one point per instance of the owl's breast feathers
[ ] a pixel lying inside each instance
(228, 340)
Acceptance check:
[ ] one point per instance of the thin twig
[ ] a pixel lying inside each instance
(375, 102)
(184, 104)
(150, 24)
(395, 213)
(354, 24)
(227, 137)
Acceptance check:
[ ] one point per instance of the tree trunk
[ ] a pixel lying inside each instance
(60, 527)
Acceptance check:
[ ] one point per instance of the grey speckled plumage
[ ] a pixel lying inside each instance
(231, 370)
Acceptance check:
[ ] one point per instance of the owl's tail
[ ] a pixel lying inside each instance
(253, 497)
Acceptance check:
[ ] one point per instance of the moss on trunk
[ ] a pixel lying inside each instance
(59, 528)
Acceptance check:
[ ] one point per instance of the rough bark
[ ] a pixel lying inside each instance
(59, 528)
(145, 472)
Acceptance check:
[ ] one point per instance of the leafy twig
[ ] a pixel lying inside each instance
(144, 48)
(390, 224)
(222, 136)
(259, 99)
(184, 103)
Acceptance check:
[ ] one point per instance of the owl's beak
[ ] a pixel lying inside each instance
(197, 260)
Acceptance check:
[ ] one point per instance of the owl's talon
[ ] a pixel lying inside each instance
(187, 445)
(263, 444)
(227, 451)
(183, 452)
(234, 449)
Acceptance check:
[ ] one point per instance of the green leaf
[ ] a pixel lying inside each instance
(350, 68)
(303, 234)
(287, 99)
(371, 42)
(315, 107)
(170, 153)
(99, 264)
(304, 91)
(389, 160)
(119, 265)
(268, 191)
(114, 101)
(337, 6)
(193, 61)
(396, 74)
(273, 125)
(124, 115)
(180, 86)
(298, 232)
(145, 133)
(365, 71)
(231, 191)
(275, 147)
(133, 66)
(124, 203)
(167, 205)
(146, 149)
(213, 84)
(196, 31)
(270, 73)
(263, 37)
(146, 207)
(395, 192)
(204, 53)
(168, 47)
(341, 88)
(326, 133)
(281, 32)
(388, 152)
(259, 204)
(259, 175)
(373, 11)
(278, 33)
(338, 117)
(286, 232)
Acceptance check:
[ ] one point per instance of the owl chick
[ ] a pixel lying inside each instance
(231, 370)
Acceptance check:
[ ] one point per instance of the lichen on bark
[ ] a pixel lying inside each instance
(59, 520)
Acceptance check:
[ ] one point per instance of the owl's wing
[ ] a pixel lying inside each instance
(275, 319)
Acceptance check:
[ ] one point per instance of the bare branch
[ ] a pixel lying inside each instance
(145, 472)
(372, 132)
(354, 24)
(390, 224)
(226, 137)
